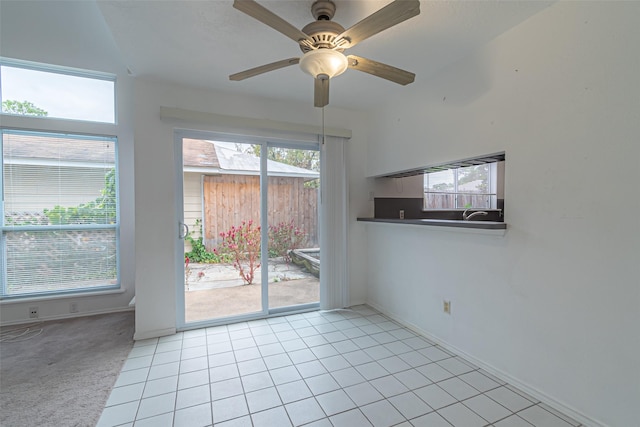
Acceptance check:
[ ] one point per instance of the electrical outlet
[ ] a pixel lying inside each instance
(401, 214)
(33, 312)
(447, 307)
(73, 307)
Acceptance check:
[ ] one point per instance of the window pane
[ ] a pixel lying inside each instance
(473, 179)
(46, 93)
(59, 179)
(438, 190)
(440, 181)
(440, 201)
(460, 188)
(473, 186)
(294, 249)
(59, 260)
(59, 217)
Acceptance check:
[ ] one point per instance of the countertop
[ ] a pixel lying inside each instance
(481, 225)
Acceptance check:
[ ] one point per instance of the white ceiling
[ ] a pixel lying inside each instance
(200, 43)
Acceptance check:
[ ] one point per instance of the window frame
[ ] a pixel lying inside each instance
(76, 127)
(6, 228)
(65, 71)
(492, 194)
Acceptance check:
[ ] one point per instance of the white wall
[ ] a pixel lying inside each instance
(156, 216)
(74, 34)
(554, 305)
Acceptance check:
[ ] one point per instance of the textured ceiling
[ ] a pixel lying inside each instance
(200, 43)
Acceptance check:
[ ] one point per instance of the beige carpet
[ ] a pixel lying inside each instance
(63, 375)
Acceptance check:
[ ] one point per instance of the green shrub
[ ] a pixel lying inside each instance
(199, 252)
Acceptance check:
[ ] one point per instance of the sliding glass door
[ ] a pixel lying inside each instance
(294, 248)
(248, 228)
(221, 209)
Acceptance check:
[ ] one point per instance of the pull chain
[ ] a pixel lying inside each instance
(323, 135)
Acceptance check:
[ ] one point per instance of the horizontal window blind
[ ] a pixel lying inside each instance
(60, 213)
(63, 260)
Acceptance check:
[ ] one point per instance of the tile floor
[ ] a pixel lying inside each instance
(351, 368)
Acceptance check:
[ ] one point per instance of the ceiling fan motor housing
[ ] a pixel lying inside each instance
(324, 35)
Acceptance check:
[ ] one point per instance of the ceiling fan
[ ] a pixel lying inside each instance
(324, 40)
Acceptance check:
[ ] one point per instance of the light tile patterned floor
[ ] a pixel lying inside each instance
(351, 368)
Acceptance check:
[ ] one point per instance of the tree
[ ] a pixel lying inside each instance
(24, 108)
(475, 173)
(305, 159)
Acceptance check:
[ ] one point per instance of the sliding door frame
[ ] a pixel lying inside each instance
(265, 143)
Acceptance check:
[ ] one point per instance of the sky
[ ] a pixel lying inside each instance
(436, 178)
(61, 95)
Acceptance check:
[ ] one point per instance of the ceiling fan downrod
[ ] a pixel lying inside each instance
(323, 10)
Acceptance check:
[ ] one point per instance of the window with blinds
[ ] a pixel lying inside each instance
(59, 213)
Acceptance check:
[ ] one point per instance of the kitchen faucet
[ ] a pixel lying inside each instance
(466, 217)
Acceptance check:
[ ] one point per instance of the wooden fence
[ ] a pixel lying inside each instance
(231, 199)
(436, 200)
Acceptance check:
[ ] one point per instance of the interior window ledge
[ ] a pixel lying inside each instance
(472, 227)
(68, 295)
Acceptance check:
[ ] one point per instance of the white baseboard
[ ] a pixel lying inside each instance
(353, 303)
(153, 334)
(537, 394)
(66, 316)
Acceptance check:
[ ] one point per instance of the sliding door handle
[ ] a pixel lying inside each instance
(185, 230)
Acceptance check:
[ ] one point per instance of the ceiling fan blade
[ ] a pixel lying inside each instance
(269, 18)
(321, 92)
(390, 15)
(263, 69)
(379, 69)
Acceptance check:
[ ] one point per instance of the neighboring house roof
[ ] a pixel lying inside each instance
(47, 148)
(197, 155)
(203, 156)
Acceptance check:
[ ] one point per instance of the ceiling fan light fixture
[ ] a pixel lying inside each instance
(326, 62)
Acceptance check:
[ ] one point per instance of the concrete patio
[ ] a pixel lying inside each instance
(216, 290)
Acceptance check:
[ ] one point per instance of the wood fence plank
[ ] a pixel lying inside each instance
(231, 199)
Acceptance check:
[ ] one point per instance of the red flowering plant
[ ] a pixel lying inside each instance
(242, 245)
(283, 238)
(187, 271)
